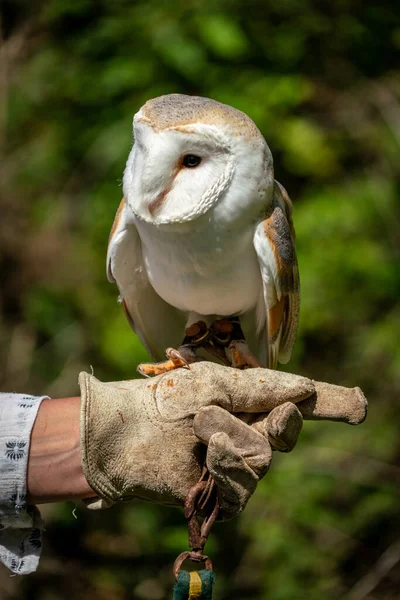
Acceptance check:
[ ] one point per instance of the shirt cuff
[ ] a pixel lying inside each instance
(20, 523)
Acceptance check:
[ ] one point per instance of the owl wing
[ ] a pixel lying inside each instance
(278, 311)
(158, 324)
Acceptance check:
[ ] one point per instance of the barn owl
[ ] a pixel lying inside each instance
(202, 246)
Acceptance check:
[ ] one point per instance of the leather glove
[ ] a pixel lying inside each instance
(150, 438)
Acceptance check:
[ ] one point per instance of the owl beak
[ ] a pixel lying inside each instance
(156, 204)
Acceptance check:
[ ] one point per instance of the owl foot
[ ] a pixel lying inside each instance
(195, 336)
(182, 357)
(224, 340)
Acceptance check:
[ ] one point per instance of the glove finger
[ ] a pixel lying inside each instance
(282, 426)
(251, 390)
(335, 403)
(237, 456)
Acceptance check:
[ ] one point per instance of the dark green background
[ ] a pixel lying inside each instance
(322, 82)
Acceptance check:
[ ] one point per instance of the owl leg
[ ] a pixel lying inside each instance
(241, 357)
(227, 334)
(195, 336)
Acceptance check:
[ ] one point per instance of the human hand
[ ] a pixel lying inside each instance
(150, 438)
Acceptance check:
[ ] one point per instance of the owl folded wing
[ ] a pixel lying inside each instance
(158, 324)
(274, 242)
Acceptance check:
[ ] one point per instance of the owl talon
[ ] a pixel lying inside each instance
(141, 369)
(177, 358)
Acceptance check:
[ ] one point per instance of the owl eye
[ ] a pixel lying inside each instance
(191, 161)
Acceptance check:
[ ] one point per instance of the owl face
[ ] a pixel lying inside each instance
(192, 154)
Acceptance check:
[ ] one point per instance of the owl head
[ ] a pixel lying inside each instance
(192, 154)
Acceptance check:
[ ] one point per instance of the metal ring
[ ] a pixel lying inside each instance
(194, 557)
(222, 340)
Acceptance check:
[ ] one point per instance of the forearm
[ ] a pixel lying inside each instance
(54, 468)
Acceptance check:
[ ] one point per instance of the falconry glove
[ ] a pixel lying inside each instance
(151, 438)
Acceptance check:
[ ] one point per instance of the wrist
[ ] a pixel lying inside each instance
(55, 467)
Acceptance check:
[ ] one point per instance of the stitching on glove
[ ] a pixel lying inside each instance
(161, 417)
(151, 409)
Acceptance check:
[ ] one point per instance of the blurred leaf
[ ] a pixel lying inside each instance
(222, 35)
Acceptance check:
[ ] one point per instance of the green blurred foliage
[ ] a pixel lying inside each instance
(322, 82)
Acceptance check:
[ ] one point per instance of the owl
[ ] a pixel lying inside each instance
(202, 247)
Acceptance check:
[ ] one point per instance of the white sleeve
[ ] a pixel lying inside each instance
(20, 523)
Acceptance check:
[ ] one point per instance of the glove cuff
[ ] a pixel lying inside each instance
(91, 465)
